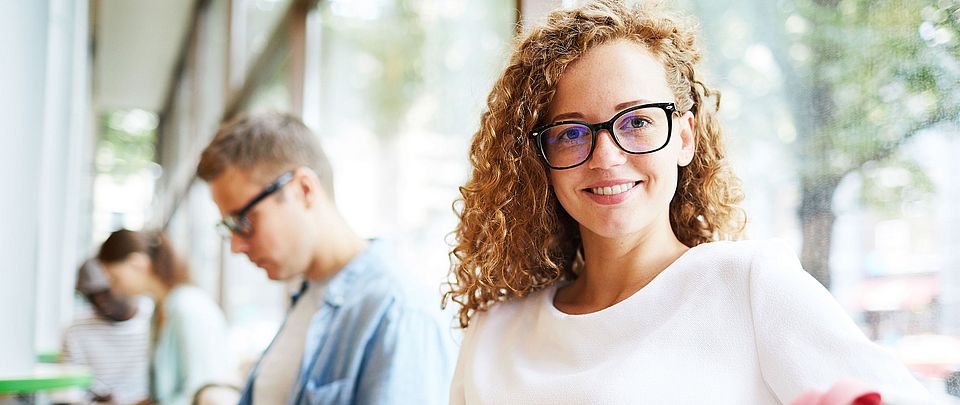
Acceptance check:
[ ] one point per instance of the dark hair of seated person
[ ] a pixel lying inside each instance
(112, 306)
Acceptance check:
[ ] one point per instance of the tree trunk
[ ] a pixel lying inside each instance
(816, 219)
(813, 107)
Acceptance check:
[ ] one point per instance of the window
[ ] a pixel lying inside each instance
(855, 103)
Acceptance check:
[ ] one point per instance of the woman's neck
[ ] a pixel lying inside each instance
(616, 268)
(158, 290)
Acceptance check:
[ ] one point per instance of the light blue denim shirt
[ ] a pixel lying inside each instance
(373, 341)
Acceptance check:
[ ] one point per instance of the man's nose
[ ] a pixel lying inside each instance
(238, 244)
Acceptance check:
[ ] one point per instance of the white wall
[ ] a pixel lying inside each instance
(65, 169)
(22, 44)
(44, 161)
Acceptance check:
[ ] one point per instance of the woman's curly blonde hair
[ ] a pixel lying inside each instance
(514, 237)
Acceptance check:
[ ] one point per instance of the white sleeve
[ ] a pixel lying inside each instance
(806, 341)
(203, 354)
(458, 393)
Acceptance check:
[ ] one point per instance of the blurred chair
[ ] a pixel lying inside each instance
(217, 394)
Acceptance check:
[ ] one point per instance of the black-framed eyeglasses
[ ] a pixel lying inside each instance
(640, 129)
(237, 222)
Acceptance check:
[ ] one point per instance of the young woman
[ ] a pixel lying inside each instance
(189, 330)
(588, 267)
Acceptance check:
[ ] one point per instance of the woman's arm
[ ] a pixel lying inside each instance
(805, 340)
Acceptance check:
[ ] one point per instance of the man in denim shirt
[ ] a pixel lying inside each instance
(356, 332)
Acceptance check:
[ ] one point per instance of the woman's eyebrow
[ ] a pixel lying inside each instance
(626, 104)
(617, 107)
(566, 116)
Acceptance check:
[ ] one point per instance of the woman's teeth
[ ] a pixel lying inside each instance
(620, 188)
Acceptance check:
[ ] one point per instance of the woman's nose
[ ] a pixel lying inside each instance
(606, 153)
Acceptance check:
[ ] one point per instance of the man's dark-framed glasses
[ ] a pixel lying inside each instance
(636, 130)
(237, 222)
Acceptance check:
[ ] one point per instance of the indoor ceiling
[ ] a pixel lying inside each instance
(137, 45)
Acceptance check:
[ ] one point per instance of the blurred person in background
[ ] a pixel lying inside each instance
(357, 331)
(594, 259)
(112, 339)
(189, 340)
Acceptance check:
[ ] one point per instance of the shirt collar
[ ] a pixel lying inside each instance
(344, 280)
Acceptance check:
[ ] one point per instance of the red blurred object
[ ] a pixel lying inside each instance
(897, 293)
(930, 355)
(845, 392)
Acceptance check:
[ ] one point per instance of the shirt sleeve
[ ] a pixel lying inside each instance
(408, 360)
(201, 337)
(68, 354)
(458, 394)
(806, 341)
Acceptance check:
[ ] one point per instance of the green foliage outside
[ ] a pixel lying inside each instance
(127, 142)
(395, 43)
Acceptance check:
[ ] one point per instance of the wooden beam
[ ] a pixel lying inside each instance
(176, 76)
(517, 18)
(270, 58)
(297, 37)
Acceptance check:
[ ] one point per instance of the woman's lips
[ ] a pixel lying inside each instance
(611, 192)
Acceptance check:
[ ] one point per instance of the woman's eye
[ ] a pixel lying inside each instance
(572, 134)
(637, 122)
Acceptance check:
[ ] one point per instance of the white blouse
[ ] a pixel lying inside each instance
(726, 323)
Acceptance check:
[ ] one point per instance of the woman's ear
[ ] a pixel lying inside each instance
(686, 128)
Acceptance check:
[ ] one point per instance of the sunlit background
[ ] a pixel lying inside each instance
(842, 118)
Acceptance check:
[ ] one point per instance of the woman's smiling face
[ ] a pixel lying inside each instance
(615, 193)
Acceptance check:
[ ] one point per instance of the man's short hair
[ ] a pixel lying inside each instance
(265, 145)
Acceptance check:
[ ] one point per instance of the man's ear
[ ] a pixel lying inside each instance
(686, 129)
(308, 183)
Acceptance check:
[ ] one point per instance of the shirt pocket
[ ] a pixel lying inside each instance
(337, 392)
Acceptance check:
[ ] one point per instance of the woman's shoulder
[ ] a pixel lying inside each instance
(736, 257)
(490, 325)
(514, 309)
(742, 249)
(187, 294)
(186, 300)
(770, 269)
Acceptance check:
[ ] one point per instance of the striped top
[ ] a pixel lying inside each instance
(115, 352)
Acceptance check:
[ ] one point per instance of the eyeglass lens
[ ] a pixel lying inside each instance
(637, 131)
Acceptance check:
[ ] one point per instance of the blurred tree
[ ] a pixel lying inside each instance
(861, 78)
(867, 75)
(394, 40)
(390, 34)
